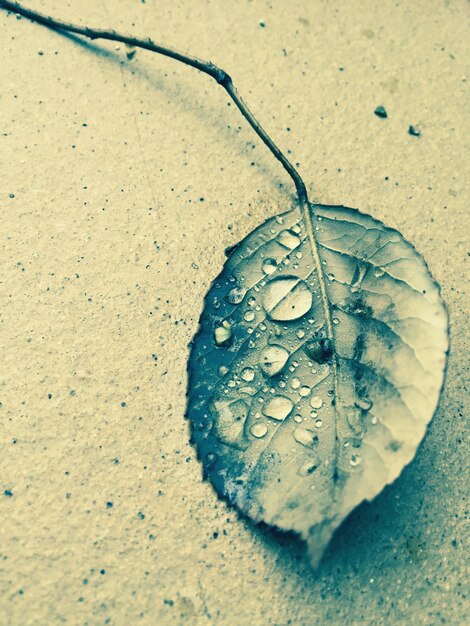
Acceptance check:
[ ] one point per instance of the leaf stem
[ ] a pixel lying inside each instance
(219, 75)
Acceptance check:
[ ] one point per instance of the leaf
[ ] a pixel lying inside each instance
(316, 368)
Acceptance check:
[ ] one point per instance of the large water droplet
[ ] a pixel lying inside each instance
(308, 467)
(305, 437)
(288, 239)
(223, 333)
(316, 402)
(295, 383)
(355, 460)
(278, 408)
(273, 359)
(249, 316)
(304, 391)
(236, 295)
(229, 419)
(287, 298)
(364, 403)
(259, 430)
(269, 266)
(247, 374)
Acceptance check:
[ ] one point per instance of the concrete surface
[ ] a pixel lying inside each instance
(121, 184)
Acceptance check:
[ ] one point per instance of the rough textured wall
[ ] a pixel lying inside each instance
(121, 184)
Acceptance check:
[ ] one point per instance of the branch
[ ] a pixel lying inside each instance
(219, 75)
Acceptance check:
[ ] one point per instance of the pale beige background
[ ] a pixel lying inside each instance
(107, 252)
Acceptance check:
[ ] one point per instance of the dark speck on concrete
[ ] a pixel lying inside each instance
(11, 195)
(262, 25)
(413, 131)
(381, 112)
(49, 396)
(102, 571)
(109, 505)
(123, 404)
(168, 602)
(8, 493)
(141, 515)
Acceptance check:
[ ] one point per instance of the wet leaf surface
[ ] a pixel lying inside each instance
(316, 368)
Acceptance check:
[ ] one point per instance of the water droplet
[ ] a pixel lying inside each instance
(298, 419)
(288, 239)
(273, 359)
(318, 424)
(295, 383)
(305, 437)
(378, 272)
(223, 334)
(269, 266)
(304, 391)
(278, 408)
(236, 295)
(331, 277)
(355, 460)
(373, 419)
(223, 370)
(287, 298)
(335, 320)
(313, 413)
(262, 326)
(358, 276)
(249, 316)
(364, 403)
(298, 254)
(308, 467)
(251, 301)
(300, 333)
(259, 430)
(316, 402)
(296, 228)
(247, 374)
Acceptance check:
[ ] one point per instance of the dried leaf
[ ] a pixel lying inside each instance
(316, 368)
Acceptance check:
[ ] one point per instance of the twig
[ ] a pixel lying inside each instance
(219, 75)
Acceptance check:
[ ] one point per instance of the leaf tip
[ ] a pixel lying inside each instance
(317, 540)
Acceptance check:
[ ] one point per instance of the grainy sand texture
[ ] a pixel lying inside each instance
(121, 184)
